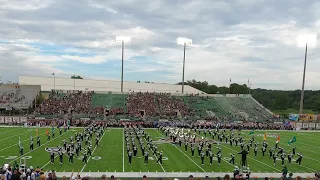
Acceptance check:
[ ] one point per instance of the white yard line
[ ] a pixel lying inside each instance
(274, 168)
(8, 131)
(40, 146)
(253, 159)
(16, 144)
(156, 158)
(123, 150)
(307, 149)
(310, 168)
(160, 164)
(13, 136)
(310, 139)
(48, 162)
(311, 159)
(305, 156)
(299, 143)
(92, 153)
(182, 152)
(250, 158)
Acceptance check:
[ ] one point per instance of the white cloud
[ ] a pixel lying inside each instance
(24, 5)
(86, 60)
(246, 39)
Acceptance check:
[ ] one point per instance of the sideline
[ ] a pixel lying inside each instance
(174, 174)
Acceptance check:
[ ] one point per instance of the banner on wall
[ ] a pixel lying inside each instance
(8, 119)
(305, 125)
(293, 124)
(318, 126)
(23, 119)
(299, 125)
(294, 117)
(15, 119)
(312, 125)
(1, 119)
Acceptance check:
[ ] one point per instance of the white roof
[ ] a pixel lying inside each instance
(49, 83)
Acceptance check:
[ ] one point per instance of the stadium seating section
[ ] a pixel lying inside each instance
(135, 105)
(17, 96)
(150, 105)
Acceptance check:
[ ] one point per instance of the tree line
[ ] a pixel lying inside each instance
(275, 100)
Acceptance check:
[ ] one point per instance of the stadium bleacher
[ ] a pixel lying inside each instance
(243, 108)
(17, 96)
(202, 104)
(162, 105)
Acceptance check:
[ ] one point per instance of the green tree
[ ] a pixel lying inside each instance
(76, 77)
(271, 99)
(40, 98)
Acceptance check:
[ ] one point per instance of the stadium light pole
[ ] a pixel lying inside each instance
(122, 40)
(305, 41)
(183, 41)
(54, 81)
(74, 81)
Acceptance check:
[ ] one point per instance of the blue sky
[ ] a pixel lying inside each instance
(241, 40)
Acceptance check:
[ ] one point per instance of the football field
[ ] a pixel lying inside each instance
(111, 154)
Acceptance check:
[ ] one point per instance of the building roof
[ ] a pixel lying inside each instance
(49, 83)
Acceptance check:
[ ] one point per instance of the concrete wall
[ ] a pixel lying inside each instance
(47, 83)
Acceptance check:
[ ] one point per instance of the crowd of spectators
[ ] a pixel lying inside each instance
(140, 104)
(6, 97)
(115, 111)
(63, 103)
(170, 106)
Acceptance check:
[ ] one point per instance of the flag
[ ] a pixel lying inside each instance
(230, 80)
(20, 144)
(265, 136)
(278, 138)
(52, 74)
(37, 132)
(294, 139)
(251, 132)
(16, 165)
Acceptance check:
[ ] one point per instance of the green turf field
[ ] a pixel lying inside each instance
(111, 155)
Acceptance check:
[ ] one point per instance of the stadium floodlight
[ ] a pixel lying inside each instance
(183, 41)
(311, 41)
(307, 39)
(122, 40)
